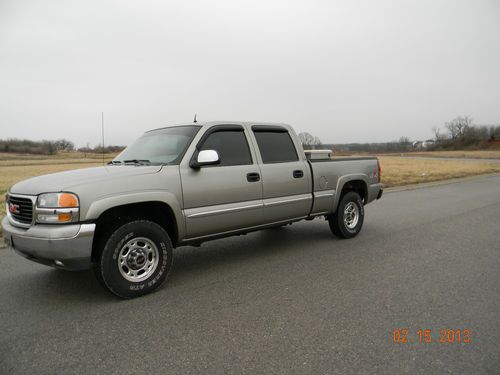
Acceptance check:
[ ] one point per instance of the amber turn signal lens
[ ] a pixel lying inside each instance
(67, 200)
(65, 217)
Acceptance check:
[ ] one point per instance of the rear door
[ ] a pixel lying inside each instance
(224, 197)
(286, 176)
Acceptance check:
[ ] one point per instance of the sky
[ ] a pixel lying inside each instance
(345, 71)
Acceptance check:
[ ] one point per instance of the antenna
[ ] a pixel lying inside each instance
(102, 131)
(195, 121)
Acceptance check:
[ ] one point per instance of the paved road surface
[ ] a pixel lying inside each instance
(291, 300)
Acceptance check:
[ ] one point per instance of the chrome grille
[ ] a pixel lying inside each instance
(20, 209)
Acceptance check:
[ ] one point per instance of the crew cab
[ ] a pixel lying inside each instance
(183, 185)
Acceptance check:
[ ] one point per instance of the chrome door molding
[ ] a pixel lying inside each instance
(270, 202)
(224, 210)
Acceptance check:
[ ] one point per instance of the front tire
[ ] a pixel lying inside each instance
(347, 221)
(135, 260)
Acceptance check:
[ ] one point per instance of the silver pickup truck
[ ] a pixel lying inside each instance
(182, 185)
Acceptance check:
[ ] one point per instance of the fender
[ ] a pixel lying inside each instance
(103, 204)
(341, 183)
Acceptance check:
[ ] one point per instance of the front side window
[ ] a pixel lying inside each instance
(231, 145)
(275, 146)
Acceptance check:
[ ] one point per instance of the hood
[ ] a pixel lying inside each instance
(66, 181)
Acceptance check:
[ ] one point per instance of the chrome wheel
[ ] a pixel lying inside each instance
(138, 259)
(351, 215)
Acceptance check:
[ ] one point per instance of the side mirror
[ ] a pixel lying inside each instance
(205, 157)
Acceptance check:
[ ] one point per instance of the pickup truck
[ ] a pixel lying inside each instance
(182, 185)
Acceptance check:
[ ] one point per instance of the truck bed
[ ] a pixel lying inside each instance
(329, 175)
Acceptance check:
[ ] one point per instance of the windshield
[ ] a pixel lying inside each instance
(162, 146)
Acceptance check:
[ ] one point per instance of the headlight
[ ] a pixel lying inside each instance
(57, 208)
(57, 200)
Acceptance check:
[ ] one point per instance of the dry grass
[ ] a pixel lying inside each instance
(397, 171)
(478, 154)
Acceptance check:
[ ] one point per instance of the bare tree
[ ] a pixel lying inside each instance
(64, 145)
(306, 139)
(438, 136)
(494, 132)
(404, 140)
(309, 140)
(317, 141)
(458, 127)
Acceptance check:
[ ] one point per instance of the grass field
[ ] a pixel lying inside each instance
(478, 154)
(396, 171)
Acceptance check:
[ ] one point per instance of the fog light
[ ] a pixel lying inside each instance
(55, 218)
(58, 263)
(44, 218)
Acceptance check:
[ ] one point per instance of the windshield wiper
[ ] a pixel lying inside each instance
(137, 161)
(113, 162)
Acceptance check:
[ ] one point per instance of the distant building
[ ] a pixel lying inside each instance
(422, 145)
(428, 143)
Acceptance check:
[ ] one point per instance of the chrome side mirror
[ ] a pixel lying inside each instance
(205, 157)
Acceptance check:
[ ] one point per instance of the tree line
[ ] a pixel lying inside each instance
(458, 133)
(462, 132)
(46, 147)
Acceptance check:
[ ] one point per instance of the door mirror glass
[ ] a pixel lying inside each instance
(206, 157)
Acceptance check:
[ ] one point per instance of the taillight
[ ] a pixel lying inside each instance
(379, 171)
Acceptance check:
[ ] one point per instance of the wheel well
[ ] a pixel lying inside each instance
(358, 186)
(158, 212)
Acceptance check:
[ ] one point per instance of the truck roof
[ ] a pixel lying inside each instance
(205, 124)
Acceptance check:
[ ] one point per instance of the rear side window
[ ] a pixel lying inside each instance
(275, 146)
(231, 145)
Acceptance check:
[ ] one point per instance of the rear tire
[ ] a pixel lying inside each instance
(135, 259)
(347, 221)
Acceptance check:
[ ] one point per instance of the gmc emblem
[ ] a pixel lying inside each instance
(14, 208)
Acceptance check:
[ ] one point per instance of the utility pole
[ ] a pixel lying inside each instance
(102, 131)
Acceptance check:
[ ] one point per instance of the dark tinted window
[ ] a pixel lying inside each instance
(232, 147)
(275, 147)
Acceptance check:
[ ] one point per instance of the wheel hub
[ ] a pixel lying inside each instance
(138, 259)
(351, 215)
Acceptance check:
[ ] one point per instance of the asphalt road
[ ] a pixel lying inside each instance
(291, 300)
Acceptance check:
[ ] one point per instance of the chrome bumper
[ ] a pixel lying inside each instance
(62, 246)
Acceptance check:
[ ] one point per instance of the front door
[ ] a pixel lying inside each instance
(227, 196)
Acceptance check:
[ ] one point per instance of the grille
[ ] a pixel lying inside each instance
(25, 209)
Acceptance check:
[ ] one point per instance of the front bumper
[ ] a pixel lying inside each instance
(62, 246)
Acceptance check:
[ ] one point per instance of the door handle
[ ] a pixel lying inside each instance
(253, 177)
(298, 173)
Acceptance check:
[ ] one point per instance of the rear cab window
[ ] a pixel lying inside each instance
(275, 144)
